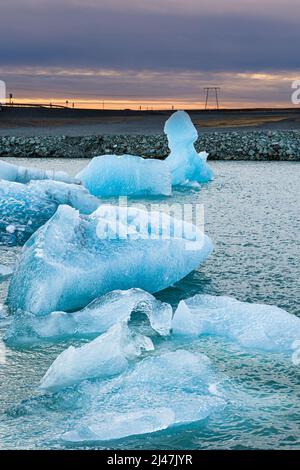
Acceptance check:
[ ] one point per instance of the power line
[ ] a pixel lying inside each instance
(207, 90)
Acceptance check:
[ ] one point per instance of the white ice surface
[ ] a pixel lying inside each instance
(105, 356)
(252, 325)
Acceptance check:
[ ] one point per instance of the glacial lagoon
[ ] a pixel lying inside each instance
(252, 215)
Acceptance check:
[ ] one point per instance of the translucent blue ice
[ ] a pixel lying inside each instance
(188, 167)
(101, 314)
(21, 174)
(74, 259)
(5, 272)
(125, 175)
(256, 326)
(177, 385)
(104, 357)
(109, 426)
(25, 207)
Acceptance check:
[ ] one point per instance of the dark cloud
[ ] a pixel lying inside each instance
(156, 49)
(80, 36)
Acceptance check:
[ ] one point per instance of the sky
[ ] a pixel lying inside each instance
(154, 53)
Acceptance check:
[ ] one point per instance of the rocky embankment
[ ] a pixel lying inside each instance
(254, 145)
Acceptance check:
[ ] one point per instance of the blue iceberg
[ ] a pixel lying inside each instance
(255, 326)
(21, 174)
(126, 175)
(105, 356)
(178, 384)
(25, 207)
(74, 258)
(188, 168)
(27, 329)
(129, 175)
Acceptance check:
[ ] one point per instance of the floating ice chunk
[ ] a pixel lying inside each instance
(96, 318)
(176, 384)
(66, 265)
(258, 326)
(125, 175)
(103, 357)
(5, 272)
(25, 207)
(21, 174)
(105, 427)
(187, 166)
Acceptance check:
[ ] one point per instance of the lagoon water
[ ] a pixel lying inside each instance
(252, 215)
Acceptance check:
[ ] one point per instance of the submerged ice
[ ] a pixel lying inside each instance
(126, 175)
(188, 167)
(21, 174)
(109, 426)
(178, 385)
(101, 314)
(74, 259)
(256, 326)
(25, 207)
(105, 356)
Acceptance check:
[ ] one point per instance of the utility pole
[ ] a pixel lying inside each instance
(213, 89)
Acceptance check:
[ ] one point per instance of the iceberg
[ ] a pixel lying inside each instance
(73, 258)
(177, 384)
(130, 175)
(100, 315)
(21, 174)
(126, 175)
(104, 357)
(188, 168)
(256, 326)
(25, 207)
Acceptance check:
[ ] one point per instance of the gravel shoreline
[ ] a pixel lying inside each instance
(235, 145)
